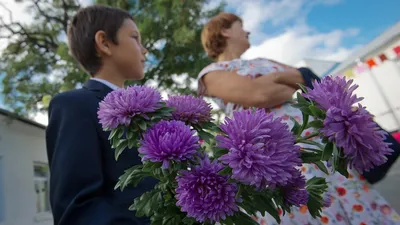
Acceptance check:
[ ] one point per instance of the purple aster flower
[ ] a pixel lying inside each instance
(189, 109)
(355, 131)
(295, 192)
(204, 194)
(327, 201)
(333, 92)
(261, 149)
(169, 141)
(119, 106)
(351, 129)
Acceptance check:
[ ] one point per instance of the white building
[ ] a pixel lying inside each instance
(24, 198)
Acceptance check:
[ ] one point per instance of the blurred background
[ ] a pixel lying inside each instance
(359, 39)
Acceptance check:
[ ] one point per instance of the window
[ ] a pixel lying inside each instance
(41, 182)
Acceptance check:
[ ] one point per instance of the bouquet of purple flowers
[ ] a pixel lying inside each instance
(254, 165)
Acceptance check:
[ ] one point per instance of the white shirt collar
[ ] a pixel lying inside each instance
(107, 83)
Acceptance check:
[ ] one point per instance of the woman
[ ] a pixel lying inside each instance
(231, 82)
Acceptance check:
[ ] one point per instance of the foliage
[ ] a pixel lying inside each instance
(36, 63)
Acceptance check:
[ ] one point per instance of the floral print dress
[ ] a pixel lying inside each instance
(354, 201)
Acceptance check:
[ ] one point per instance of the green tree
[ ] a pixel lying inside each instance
(36, 63)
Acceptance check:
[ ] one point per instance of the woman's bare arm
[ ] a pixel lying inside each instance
(290, 77)
(282, 64)
(263, 92)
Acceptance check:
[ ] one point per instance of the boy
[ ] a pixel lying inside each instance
(107, 43)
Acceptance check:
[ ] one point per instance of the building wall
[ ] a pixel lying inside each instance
(21, 146)
(380, 88)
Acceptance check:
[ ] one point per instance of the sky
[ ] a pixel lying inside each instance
(291, 30)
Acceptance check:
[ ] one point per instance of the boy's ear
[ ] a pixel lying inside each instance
(102, 44)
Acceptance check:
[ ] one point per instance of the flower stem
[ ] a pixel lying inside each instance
(301, 140)
(314, 134)
(239, 191)
(313, 149)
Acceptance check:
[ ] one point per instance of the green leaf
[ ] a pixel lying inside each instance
(208, 126)
(142, 125)
(149, 166)
(342, 167)
(218, 152)
(130, 134)
(122, 144)
(113, 133)
(207, 137)
(310, 157)
(316, 112)
(316, 187)
(258, 201)
(306, 110)
(172, 220)
(226, 171)
(322, 167)
(147, 203)
(265, 204)
(303, 88)
(156, 219)
(133, 142)
(243, 219)
(281, 202)
(315, 124)
(228, 221)
(327, 153)
(189, 221)
(46, 100)
(305, 122)
(116, 133)
(335, 157)
(300, 105)
(339, 161)
(301, 99)
(296, 127)
(164, 185)
(131, 176)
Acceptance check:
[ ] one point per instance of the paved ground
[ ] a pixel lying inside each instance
(390, 186)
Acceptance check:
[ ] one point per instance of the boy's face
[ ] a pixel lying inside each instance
(128, 55)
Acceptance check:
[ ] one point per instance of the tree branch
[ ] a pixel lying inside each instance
(44, 14)
(40, 39)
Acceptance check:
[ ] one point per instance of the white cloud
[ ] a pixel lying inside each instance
(254, 14)
(297, 43)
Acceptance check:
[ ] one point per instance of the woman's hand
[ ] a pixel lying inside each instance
(290, 77)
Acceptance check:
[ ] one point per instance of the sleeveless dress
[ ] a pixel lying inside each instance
(354, 201)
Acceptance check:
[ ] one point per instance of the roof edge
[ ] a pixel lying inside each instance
(22, 119)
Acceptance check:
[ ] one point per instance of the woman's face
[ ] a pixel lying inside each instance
(237, 36)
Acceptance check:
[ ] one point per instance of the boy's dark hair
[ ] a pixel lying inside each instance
(82, 30)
